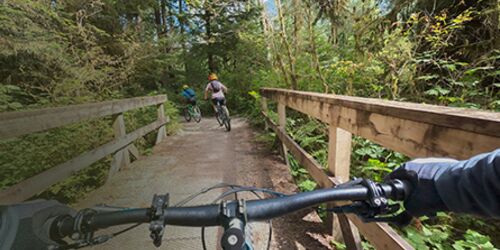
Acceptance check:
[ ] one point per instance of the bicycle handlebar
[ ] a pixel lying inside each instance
(213, 215)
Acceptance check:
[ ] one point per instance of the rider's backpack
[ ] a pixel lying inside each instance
(214, 88)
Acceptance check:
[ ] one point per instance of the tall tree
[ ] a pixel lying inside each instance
(286, 44)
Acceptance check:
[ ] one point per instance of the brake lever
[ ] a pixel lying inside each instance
(157, 225)
(376, 208)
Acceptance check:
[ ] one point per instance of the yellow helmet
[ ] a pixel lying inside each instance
(212, 76)
(185, 86)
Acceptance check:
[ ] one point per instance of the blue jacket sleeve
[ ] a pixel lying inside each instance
(471, 186)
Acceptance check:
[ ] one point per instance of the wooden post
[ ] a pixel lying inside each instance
(339, 159)
(282, 125)
(134, 151)
(162, 133)
(339, 153)
(121, 158)
(263, 102)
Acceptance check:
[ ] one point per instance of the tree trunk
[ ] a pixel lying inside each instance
(181, 18)
(291, 59)
(297, 23)
(210, 56)
(314, 50)
(164, 15)
(157, 20)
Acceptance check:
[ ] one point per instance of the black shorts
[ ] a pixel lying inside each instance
(221, 101)
(192, 101)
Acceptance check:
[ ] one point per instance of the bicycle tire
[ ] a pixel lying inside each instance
(187, 115)
(218, 117)
(227, 124)
(197, 114)
(227, 120)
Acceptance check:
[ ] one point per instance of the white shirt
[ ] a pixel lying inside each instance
(217, 85)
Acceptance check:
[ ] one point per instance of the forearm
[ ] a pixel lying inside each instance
(471, 186)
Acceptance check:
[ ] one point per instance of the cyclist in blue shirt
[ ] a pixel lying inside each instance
(189, 95)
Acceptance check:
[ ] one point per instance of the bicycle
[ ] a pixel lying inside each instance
(222, 116)
(34, 223)
(192, 111)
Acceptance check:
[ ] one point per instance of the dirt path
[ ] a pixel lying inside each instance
(201, 156)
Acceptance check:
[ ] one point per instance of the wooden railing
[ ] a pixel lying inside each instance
(15, 124)
(416, 130)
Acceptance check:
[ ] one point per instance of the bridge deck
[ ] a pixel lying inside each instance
(201, 156)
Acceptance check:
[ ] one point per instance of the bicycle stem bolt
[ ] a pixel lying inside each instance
(234, 235)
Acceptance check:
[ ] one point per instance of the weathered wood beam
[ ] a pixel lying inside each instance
(415, 130)
(265, 110)
(476, 121)
(282, 125)
(14, 124)
(162, 132)
(122, 157)
(339, 162)
(42, 181)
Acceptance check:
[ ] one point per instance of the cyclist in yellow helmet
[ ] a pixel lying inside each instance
(217, 89)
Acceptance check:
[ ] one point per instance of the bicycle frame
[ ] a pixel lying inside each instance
(222, 116)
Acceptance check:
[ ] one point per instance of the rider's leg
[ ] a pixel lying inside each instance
(223, 104)
(214, 105)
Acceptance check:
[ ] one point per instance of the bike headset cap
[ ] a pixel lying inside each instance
(212, 77)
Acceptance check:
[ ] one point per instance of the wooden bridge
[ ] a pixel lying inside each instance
(416, 130)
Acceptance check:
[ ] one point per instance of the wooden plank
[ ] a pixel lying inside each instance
(122, 157)
(282, 125)
(476, 121)
(339, 153)
(42, 181)
(134, 151)
(339, 159)
(381, 235)
(14, 124)
(162, 133)
(410, 137)
(350, 233)
(265, 110)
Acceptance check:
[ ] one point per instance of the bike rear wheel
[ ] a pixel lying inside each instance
(226, 120)
(197, 114)
(187, 115)
(219, 115)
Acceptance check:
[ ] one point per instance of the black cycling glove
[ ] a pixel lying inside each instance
(424, 199)
(26, 225)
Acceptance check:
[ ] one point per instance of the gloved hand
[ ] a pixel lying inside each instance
(424, 199)
(26, 225)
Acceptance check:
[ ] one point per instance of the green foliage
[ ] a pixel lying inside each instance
(437, 236)
(60, 53)
(338, 245)
(307, 185)
(474, 240)
(370, 160)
